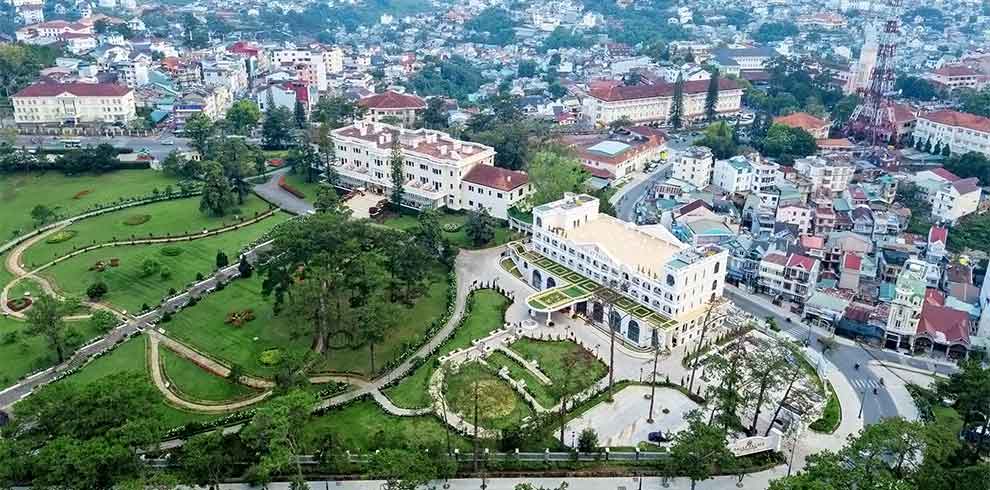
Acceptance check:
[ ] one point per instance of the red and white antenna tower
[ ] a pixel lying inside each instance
(873, 119)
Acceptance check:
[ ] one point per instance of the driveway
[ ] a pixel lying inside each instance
(624, 421)
(271, 192)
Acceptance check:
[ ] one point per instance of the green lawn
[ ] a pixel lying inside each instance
(178, 217)
(194, 383)
(499, 406)
(128, 289)
(203, 327)
(459, 237)
(831, 416)
(22, 353)
(130, 357)
(542, 393)
(23, 287)
(550, 357)
(20, 193)
(487, 314)
(363, 426)
(298, 181)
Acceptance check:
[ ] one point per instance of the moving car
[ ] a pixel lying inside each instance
(657, 437)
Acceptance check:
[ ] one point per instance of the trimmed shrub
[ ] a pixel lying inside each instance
(137, 219)
(171, 251)
(62, 236)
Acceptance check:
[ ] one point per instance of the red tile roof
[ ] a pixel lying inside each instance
(934, 296)
(601, 173)
(959, 119)
(944, 325)
(801, 261)
(801, 120)
(853, 262)
(392, 100)
(965, 186)
(956, 71)
(631, 92)
(77, 89)
(776, 258)
(938, 234)
(496, 177)
(945, 174)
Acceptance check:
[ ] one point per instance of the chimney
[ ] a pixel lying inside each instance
(443, 150)
(362, 129)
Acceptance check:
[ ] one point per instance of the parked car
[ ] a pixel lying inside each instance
(657, 437)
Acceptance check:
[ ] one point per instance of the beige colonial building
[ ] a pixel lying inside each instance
(59, 103)
(651, 103)
(963, 132)
(392, 105)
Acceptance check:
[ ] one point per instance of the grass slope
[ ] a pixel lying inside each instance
(128, 289)
(21, 353)
(550, 356)
(177, 217)
(194, 383)
(499, 406)
(20, 193)
(487, 314)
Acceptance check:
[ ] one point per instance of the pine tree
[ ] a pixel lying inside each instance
(946, 152)
(300, 114)
(677, 106)
(938, 148)
(711, 98)
(928, 145)
(398, 178)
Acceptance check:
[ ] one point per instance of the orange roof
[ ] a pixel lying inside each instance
(496, 177)
(959, 119)
(801, 120)
(392, 100)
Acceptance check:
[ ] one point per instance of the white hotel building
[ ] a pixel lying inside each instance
(440, 171)
(661, 286)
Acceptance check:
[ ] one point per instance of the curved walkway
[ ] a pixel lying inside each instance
(154, 362)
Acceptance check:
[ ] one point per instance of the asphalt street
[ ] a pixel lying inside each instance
(886, 402)
(159, 146)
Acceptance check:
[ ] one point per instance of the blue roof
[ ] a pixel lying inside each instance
(886, 291)
(840, 204)
(610, 148)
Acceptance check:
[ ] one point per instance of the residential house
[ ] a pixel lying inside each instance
(788, 276)
(494, 189)
(693, 166)
(817, 127)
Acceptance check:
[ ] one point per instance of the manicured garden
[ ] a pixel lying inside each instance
(499, 406)
(551, 357)
(454, 229)
(362, 427)
(131, 357)
(129, 286)
(831, 416)
(487, 314)
(195, 383)
(257, 345)
(22, 353)
(543, 394)
(69, 196)
(177, 217)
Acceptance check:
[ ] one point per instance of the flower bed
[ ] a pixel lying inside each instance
(81, 194)
(271, 357)
(137, 219)
(288, 188)
(451, 227)
(239, 318)
(62, 236)
(171, 251)
(276, 162)
(19, 304)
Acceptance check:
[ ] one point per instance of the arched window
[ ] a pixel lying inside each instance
(539, 222)
(633, 331)
(551, 283)
(615, 320)
(537, 280)
(717, 266)
(670, 279)
(714, 284)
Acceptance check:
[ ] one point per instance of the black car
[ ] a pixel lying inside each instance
(656, 437)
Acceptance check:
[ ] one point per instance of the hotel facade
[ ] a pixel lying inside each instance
(648, 286)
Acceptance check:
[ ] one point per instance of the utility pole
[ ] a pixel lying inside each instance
(653, 384)
(862, 401)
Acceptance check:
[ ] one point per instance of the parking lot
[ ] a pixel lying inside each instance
(624, 421)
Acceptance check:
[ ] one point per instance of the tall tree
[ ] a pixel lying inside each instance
(327, 147)
(276, 431)
(699, 449)
(552, 173)
(199, 129)
(276, 131)
(711, 98)
(677, 104)
(767, 369)
(727, 394)
(435, 116)
(303, 159)
(396, 172)
(409, 469)
(206, 459)
(479, 227)
(217, 197)
(47, 319)
(243, 116)
(713, 316)
(337, 111)
(299, 112)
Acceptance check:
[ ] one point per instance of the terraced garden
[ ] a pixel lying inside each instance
(499, 406)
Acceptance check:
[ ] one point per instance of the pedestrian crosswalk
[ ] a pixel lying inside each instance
(864, 383)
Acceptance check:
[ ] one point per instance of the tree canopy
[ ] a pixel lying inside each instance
(552, 173)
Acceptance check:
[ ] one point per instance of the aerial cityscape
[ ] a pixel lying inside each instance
(495, 244)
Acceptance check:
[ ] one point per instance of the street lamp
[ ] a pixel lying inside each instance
(862, 401)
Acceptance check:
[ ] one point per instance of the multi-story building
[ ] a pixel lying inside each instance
(961, 131)
(59, 103)
(735, 61)
(229, 72)
(798, 214)
(693, 166)
(212, 102)
(494, 189)
(134, 72)
(651, 103)
(53, 31)
(734, 175)
(905, 308)
(788, 276)
(306, 65)
(830, 174)
(659, 289)
(956, 76)
(955, 200)
(766, 174)
(619, 153)
(390, 105)
(286, 94)
(434, 163)
(30, 14)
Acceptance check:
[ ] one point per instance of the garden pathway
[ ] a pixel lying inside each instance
(154, 363)
(271, 192)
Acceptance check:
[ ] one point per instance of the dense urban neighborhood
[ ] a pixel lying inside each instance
(495, 244)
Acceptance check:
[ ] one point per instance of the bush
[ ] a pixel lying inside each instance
(588, 440)
(137, 219)
(171, 251)
(10, 337)
(165, 274)
(451, 227)
(288, 188)
(97, 291)
(62, 236)
(271, 357)
(199, 276)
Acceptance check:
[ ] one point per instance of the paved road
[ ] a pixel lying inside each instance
(890, 400)
(626, 207)
(156, 145)
(271, 192)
